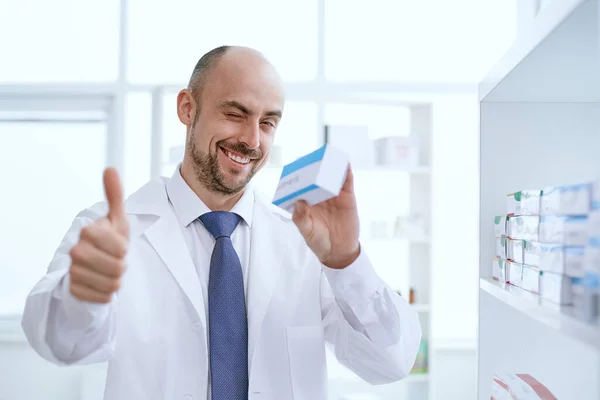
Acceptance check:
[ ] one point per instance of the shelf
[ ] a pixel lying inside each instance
(420, 308)
(10, 329)
(458, 345)
(555, 59)
(394, 240)
(559, 318)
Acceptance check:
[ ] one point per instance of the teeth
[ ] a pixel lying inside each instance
(239, 159)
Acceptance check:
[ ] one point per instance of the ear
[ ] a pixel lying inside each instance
(186, 107)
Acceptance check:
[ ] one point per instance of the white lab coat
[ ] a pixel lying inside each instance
(153, 333)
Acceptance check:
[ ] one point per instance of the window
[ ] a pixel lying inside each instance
(138, 141)
(59, 40)
(59, 174)
(426, 40)
(168, 38)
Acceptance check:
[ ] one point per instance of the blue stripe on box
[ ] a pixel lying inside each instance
(295, 194)
(302, 162)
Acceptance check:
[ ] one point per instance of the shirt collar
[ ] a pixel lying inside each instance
(189, 207)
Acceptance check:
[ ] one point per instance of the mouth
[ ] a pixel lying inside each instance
(236, 157)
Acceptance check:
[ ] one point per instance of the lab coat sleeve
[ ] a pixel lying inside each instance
(373, 331)
(60, 328)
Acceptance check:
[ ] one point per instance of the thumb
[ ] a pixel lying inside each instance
(114, 196)
(302, 219)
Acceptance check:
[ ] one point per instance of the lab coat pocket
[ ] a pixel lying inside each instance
(308, 365)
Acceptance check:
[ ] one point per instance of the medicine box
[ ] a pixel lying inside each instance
(524, 202)
(515, 386)
(566, 260)
(314, 178)
(501, 247)
(514, 250)
(556, 288)
(500, 226)
(397, 151)
(530, 278)
(567, 230)
(591, 261)
(523, 227)
(577, 294)
(531, 253)
(591, 296)
(594, 223)
(514, 273)
(499, 269)
(567, 199)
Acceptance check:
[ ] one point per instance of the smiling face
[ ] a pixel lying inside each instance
(233, 123)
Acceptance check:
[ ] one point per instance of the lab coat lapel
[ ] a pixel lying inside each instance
(269, 244)
(166, 238)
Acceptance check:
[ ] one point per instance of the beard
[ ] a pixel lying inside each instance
(209, 173)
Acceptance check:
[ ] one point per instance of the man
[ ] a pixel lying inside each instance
(197, 288)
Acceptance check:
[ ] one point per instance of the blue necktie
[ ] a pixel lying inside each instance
(228, 324)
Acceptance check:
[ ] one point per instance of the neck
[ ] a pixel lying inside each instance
(214, 201)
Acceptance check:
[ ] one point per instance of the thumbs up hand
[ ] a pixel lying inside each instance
(98, 259)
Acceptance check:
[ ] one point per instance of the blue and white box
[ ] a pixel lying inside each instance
(566, 230)
(567, 199)
(314, 178)
(565, 260)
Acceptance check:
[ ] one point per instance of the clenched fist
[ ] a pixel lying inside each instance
(98, 260)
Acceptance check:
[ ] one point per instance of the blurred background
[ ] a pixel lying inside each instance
(88, 83)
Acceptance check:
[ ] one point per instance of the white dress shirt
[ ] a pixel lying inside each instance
(188, 208)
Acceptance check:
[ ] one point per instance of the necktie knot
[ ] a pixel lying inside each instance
(220, 223)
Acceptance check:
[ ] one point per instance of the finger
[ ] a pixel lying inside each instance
(85, 293)
(103, 237)
(86, 254)
(88, 277)
(302, 219)
(349, 182)
(114, 197)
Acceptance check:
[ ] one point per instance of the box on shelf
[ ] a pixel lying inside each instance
(591, 296)
(523, 227)
(591, 260)
(519, 387)
(556, 288)
(594, 223)
(530, 279)
(567, 230)
(566, 260)
(316, 177)
(578, 292)
(397, 151)
(514, 273)
(501, 251)
(514, 250)
(524, 202)
(500, 226)
(499, 269)
(531, 253)
(567, 199)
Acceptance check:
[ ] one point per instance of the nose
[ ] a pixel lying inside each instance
(251, 135)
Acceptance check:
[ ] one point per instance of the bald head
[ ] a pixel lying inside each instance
(228, 54)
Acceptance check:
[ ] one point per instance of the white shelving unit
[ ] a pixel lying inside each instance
(540, 126)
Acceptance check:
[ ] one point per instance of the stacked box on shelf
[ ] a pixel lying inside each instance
(523, 209)
(591, 264)
(564, 228)
(499, 271)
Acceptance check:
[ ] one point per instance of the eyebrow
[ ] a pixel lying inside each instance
(242, 108)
